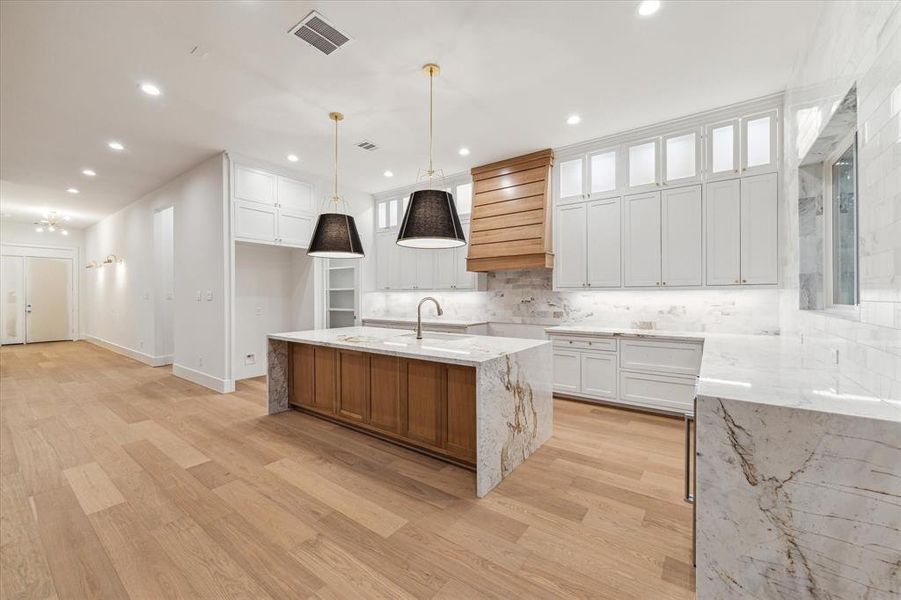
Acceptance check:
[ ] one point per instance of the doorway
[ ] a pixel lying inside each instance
(38, 298)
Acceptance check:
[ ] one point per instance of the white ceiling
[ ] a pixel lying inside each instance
(511, 74)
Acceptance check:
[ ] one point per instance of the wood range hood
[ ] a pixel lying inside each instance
(510, 226)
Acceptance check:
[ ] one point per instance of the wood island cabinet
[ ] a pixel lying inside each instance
(421, 404)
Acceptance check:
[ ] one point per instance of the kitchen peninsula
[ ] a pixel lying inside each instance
(484, 403)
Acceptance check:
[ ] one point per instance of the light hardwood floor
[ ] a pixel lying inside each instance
(120, 480)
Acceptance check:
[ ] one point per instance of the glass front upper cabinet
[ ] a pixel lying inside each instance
(758, 134)
(572, 177)
(643, 171)
(463, 198)
(722, 149)
(602, 172)
(681, 157)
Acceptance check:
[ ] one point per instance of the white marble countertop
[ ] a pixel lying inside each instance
(462, 349)
(766, 369)
(691, 336)
(431, 321)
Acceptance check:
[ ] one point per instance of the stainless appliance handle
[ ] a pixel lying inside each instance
(689, 419)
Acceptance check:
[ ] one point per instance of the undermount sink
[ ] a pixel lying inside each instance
(436, 335)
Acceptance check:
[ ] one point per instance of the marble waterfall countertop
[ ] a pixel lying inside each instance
(461, 349)
(765, 369)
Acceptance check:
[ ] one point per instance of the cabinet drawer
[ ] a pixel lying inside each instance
(662, 392)
(661, 356)
(607, 344)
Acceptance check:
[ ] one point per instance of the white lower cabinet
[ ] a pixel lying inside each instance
(599, 374)
(659, 374)
(660, 392)
(567, 371)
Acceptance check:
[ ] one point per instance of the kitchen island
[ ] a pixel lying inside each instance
(483, 403)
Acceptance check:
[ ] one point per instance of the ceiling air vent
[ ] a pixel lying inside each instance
(317, 32)
(366, 145)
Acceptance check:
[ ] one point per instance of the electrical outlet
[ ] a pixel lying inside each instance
(250, 359)
(199, 361)
(141, 344)
(259, 311)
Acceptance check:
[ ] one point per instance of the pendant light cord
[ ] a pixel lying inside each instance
(336, 164)
(431, 170)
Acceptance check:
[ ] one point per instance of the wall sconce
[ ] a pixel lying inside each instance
(113, 259)
(91, 265)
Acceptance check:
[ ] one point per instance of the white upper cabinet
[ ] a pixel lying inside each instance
(723, 239)
(759, 214)
(572, 179)
(445, 268)
(602, 172)
(255, 221)
(463, 279)
(758, 147)
(295, 195)
(462, 198)
(383, 256)
(681, 158)
(681, 237)
(254, 185)
(722, 149)
(643, 159)
(641, 248)
(603, 243)
(424, 261)
(294, 228)
(570, 248)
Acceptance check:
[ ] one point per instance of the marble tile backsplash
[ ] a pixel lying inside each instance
(526, 297)
(855, 43)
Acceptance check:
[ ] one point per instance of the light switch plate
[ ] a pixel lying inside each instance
(250, 359)
(198, 295)
(209, 295)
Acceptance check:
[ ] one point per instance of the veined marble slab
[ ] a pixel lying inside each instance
(514, 389)
(796, 503)
(460, 349)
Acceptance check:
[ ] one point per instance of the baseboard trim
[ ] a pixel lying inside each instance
(147, 359)
(223, 386)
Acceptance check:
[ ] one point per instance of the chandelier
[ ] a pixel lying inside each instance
(52, 222)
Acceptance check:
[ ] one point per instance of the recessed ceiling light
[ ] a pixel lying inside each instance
(150, 89)
(463, 151)
(293, 158)
(116, 146)
(72, 190)
(388, 174)
(88, 172)
(648, 7)
(573, 120)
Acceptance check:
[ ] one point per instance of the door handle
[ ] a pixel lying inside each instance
(689, 419)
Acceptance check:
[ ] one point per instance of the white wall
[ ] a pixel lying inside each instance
(274, 291)
(25, 234)
(854, 42)
(120, 300)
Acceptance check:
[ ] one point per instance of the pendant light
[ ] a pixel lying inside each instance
(335, 235)
(431, 220)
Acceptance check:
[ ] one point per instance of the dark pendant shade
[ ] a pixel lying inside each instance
(431, 221)
(335, 236)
